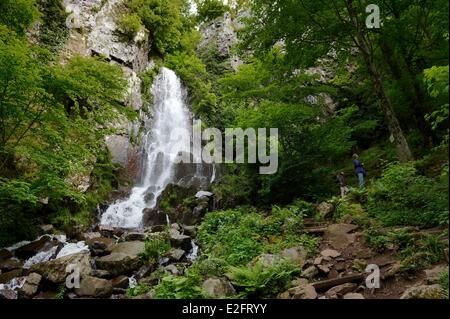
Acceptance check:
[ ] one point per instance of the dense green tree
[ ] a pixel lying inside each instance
(208, 10)
(310, 30)
(18, 14)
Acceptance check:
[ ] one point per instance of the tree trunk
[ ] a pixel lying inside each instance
(401, 145)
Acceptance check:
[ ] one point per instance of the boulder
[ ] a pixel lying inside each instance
(172, 269)
(218, 288)
(180, 241)
(46, 295)
(100, 273)
(424, 292)
(30, 286)
(134, 236)
(175, 254)
(189, 230)
(55, 270)
(330, 253)
(295, 254)
(310, 272)
(31, 249)
(325, 209)
(94, 287)
(90, 235)
(46, 229)
(10, 275)
(10, 264)
(353, 295)
(98, 246)
(120, 282)
(7, 294)
(433, 274)
(5, 254)
(302, 291)
(123, 259)
(154, 217)
(340, 290)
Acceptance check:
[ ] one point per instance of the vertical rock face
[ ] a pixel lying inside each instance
(93, 31)
(221, 32)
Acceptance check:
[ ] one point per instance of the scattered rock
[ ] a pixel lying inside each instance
(330, 253)
(172, 269)
(154, 217)
(124, 258)
(333, 274)
(10, 275)
(45, 295)
(339, 291)
(175, 254)
(325, 209)
(201, 194)
(391, 271)
(101, 273)
(175, 226)
(296, 254)
(90, 235)
(120, 282)
(31, 285)
(423, 292)
(5, 254)
(46, 229)
(94, 287)
(31, 249)
(180, 241)
(7, 294)
(310, 272)
(353, 295)
(324, 269)
(218, 288)
(434, 274)
(318, 260)
(55, 270)
(148, 295)
(99, 245)
(189, 230)
(134, 236)
(145, 270)
(10, 264)
(303, 291)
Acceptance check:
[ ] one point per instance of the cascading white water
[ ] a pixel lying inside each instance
(168, 137)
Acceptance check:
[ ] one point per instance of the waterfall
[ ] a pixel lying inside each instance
(168, 137)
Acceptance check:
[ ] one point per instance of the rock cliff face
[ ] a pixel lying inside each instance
(221, 32)
(93, 31)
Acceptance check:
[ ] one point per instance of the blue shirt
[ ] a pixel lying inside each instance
(359, 168)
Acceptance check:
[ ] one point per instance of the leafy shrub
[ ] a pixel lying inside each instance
(208, 10)
(184, 287)
(402, 197)
(444, 282)
(237, 236)
(129, 25)
(261, 281)
(17, 211)
(162, 18)
(18, 15)
(53, 31)
(155, 246)
(137, 291)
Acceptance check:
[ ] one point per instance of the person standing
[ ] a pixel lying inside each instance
(342, 184)
(359, 170)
